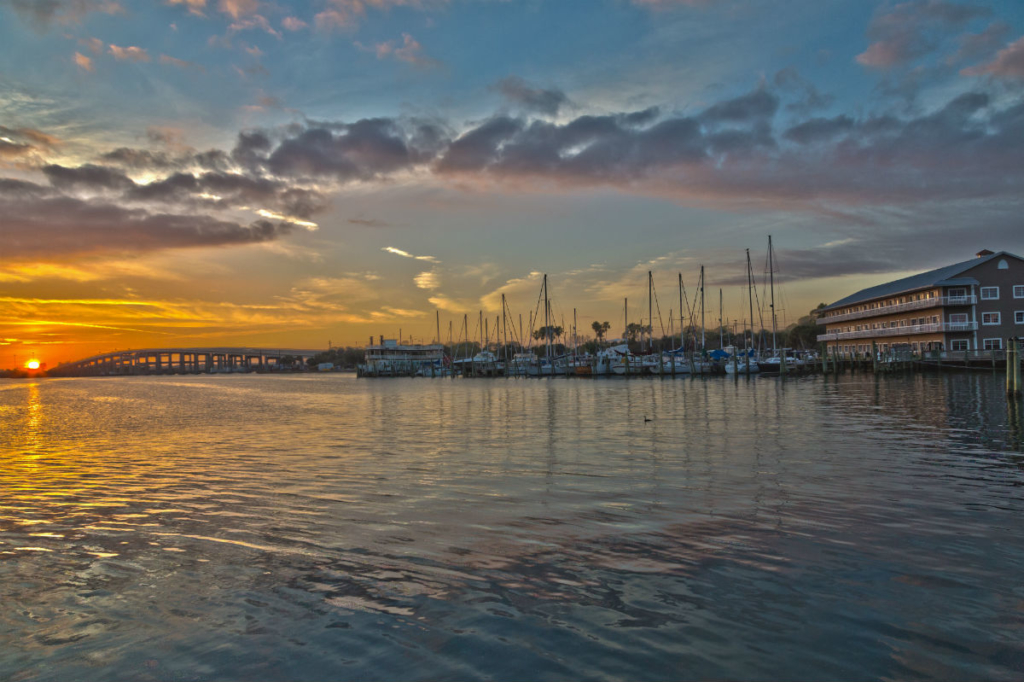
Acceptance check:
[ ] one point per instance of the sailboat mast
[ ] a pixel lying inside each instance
(547, 320)
(504, 334)
(574, 341)
(625, 316)
(682, 327)
(750, 297)
(771, 275)
(703, 338)
(650, 310)
(721, 328)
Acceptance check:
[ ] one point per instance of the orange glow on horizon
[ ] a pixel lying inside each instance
(32, 364)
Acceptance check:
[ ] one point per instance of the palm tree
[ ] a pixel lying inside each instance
(600, 329)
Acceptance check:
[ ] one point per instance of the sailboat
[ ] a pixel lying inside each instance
(780, 358)
(748, 364)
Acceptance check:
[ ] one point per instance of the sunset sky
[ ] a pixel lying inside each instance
(266, 173)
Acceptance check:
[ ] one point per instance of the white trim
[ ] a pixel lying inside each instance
(958, 317)
(1018, 290)
(1018, 316)
(999, 319)
(998, 345)
(989, 298)
(954, 342)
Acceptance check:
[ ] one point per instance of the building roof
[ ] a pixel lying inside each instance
(940, 276)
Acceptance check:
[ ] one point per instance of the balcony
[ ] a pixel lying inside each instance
(902, 307)
(939, 327)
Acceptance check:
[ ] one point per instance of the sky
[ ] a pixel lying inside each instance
(275, 174)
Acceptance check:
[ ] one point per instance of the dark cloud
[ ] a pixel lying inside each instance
(38, 222)
(88, 176)
(759, 105)
(365, 149)
(41, 14)
(140, 158)
(519, 92)
(819, 129)
(477, 148)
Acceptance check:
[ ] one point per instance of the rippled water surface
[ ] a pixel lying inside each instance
(324, 527)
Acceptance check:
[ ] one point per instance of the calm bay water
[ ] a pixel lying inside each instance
(324, 527)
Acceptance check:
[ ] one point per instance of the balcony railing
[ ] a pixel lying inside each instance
(901, 307)
(933, 328)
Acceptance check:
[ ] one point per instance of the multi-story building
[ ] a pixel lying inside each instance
(973, 305)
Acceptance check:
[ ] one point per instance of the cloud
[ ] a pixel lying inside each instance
(1008, 63)
(195, 7)
(443, 302)
(41, 14)
(10, 149)
(293, 24)
(978, 45)
(133, 54)
(790, 80)
(406, 254)
(238, 8)
(759, 105)
(906, 31)
(819, 129)
(519, 92)
(368, 222)
(180, 63)
(83, 62)
(38, 221)
(410, 52)
(427, 280)
(365, 149)
(21, 142)
(94, 45)
(87, 176)
(250, 23)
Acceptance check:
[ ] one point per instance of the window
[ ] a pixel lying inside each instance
(990, 293)
(1003, 265)
(892, 324)
(959, 344)
(993, 344)
(991, 318)
(1018, 317)
(958, 318)
(1018, 290)
(957, 293)
(935, 319)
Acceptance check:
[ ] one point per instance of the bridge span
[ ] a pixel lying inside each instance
(185, 361)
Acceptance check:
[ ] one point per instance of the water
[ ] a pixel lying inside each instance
(324, 527)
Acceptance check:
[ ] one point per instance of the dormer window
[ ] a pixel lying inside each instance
(1003, 265)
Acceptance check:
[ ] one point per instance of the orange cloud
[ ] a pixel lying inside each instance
(83, 62)
(1009, 63)
(134, 54)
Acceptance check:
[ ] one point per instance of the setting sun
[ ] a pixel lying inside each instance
(32, 364)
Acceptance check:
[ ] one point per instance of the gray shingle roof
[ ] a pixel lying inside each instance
(914, 282)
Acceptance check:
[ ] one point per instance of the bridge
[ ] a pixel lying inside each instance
(185, 361)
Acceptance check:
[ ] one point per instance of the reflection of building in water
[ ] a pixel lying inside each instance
(971, 305)
(965, 407)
